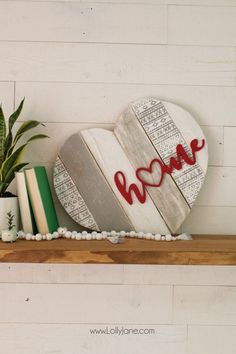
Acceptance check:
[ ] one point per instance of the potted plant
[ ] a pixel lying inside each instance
(11, 153)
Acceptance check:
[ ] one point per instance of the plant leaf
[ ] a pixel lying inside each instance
(11, 161)
(38, 136)
(2, 135)
(13, 118)
(25, 126)
(7, 144)
(11, 175)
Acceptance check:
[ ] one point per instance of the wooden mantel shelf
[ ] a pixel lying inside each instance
(204, 249)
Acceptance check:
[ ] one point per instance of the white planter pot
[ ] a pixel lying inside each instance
(9, 205)
(9, 236)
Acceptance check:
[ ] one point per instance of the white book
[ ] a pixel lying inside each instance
(24, 203)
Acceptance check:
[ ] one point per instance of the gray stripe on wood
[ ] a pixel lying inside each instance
(93, 186)
(70, 198)
(167, 198)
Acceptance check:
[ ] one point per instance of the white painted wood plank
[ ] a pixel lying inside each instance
(154, 2)
(219, 188)
(167, 198)
(93, 187)
(72, 339)
(47, 150)
(199, 25)
(78, 22)
(215, 140)
(7, 97)
(211, 339)
(117, 63)
(179, 275)
(211, 220)
(111, 158)
(73, 303)
(229, 146)
(90, 102)
(204, 305)
(60, 274)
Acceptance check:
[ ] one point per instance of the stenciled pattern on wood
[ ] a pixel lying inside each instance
(70, 197)
(165, 136)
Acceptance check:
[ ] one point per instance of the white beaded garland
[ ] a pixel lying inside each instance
(78, 236)
(88, 237)
(99, 237)
(38, 237)
(113, 236)
(28, 237)
(67, 234)
(55, 234)
(49, 237)
(148, 236)
(157, 237)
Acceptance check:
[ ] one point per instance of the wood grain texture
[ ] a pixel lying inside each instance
(166, 126)
(211, 339)
(229, 146)
(111, 63)
(213, 219)
(154, 2)
(202, 250)
(60, 131)
(60, 100)
(205, 305)
(78, 22)
(167, 198)
(85, 304)
(70, 198)
(190, 24)
(77, 338)
(93, 187)
(111, 158)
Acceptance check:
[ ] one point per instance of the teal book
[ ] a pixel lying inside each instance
(41, 200)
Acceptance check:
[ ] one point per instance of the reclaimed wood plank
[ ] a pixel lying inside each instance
(161, 126)
(92, 185)
(167, 198)
(111, 158)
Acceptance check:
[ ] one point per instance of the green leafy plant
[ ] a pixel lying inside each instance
(10, 219)
(10, 151)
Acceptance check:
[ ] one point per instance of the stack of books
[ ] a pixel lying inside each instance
(37, 209)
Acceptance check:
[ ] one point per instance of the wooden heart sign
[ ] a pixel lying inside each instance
(143, 176)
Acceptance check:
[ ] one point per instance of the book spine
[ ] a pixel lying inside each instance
(36, 201)
(46, 197)
(26, 212)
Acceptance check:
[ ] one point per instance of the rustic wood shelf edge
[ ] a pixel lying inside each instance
(202, 250)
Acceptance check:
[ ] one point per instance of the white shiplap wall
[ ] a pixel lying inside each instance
(79, 63)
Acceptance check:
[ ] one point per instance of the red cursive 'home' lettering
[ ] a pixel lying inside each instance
(175, 163)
